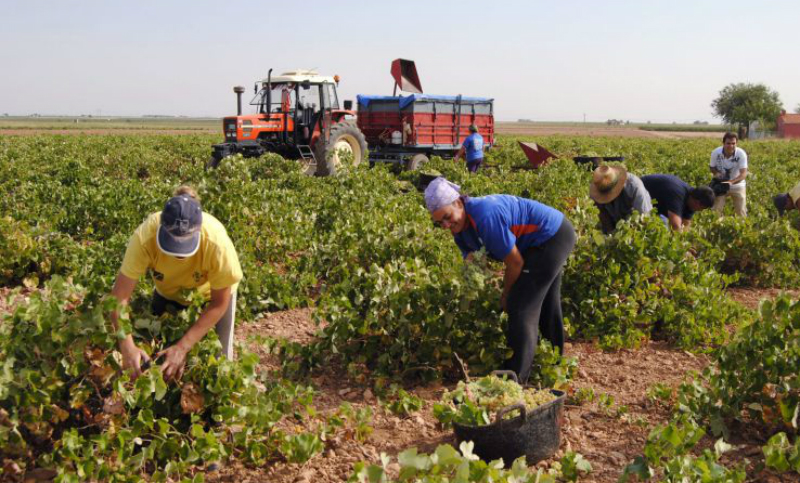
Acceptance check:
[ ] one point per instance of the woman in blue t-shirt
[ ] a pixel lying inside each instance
(533, 240)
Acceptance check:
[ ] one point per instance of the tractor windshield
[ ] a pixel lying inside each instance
(282, 99)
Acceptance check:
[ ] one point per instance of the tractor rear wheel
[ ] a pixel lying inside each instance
(416, 162)
(346, 140)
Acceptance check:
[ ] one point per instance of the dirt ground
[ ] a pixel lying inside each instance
(609, 425)
(104, 132)
(752, 297)
(593, 130)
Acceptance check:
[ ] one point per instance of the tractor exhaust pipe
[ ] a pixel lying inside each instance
(269, 92)
(239, 90)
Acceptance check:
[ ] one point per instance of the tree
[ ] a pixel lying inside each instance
(743, 103)
(797, 109)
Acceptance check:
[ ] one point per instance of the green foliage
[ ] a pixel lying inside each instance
(361, 250)
(741, 103)
(644, 281)
(448, 465)
(64, 404)
(403, 403)
(550, 369)
(572, 466)
(669, 449)
(781, 455)
(360, 420)
(754, 377)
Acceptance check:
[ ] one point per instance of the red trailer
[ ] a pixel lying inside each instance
(409, 129)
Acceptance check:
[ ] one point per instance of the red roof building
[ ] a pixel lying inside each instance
(789, 125)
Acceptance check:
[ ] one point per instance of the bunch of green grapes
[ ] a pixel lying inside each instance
(474, 403)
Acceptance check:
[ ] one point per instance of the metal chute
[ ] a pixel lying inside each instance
(405, 76)
(537, 155)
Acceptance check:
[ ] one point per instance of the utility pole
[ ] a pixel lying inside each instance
(584, 118)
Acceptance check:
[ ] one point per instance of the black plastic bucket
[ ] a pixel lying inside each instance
(534, 434)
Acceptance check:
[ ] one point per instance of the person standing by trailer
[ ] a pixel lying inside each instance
(472, 148)
(184, 249)
(729, 165)
(533, 240)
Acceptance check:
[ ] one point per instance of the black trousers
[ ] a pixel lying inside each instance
(160, 305)
(534, 303)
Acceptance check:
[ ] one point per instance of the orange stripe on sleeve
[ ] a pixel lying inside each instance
(520, 230)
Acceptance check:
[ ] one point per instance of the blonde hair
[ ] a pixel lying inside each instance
(186, 190)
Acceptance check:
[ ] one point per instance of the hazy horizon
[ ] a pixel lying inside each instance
(622, 60)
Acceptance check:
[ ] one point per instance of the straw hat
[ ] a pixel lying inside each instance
(607, 183)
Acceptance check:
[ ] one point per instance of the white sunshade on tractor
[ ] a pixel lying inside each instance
(300, 76)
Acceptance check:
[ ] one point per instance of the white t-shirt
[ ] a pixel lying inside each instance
(729, 167)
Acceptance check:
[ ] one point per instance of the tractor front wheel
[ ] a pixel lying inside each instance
(346, 140)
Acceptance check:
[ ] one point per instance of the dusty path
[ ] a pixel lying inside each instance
(105, 132)
(593, 130)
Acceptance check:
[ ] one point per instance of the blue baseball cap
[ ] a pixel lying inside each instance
(179, 233)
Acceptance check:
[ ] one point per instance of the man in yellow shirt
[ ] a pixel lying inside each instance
(185, 249)
(788, 201)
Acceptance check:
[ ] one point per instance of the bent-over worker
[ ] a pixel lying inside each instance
(788, 201)
(533, 240)
(185, 249)
(617, 194)
(676, 201)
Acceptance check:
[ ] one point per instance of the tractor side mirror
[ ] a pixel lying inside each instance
(348, 105)
(306, 85)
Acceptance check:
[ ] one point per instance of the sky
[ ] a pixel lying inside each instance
(571, 60)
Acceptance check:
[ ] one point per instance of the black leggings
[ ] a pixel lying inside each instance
(534, 303)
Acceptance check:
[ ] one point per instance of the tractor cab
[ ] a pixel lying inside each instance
(298, 98)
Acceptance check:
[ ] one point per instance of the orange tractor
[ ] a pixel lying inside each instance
(298, 116)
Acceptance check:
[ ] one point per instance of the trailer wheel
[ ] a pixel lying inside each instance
(416, 162)
(346, 139)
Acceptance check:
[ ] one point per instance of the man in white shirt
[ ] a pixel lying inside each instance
(729, 165)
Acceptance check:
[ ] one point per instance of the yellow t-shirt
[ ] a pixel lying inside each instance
(794, 194)
(215, 265)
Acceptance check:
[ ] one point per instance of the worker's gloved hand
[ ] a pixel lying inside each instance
(132, 358)
(174, 361)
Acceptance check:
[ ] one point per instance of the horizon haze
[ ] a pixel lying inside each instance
(561, 62)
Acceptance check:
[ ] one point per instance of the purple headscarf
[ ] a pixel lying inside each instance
(441, 193)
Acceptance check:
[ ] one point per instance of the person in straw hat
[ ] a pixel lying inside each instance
(532, 239)
(617, 193)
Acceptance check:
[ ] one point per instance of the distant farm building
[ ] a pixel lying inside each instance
(788, 125)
